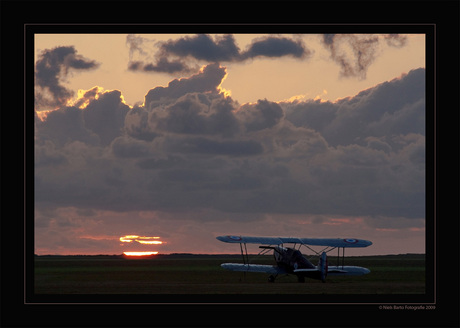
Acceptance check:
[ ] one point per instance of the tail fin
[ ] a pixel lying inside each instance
(323, 266)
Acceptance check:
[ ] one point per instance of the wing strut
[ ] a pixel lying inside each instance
(338, 256)
(245, 258)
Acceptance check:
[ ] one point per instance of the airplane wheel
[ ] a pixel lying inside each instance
(271, 279)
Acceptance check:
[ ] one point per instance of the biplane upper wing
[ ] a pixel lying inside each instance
(336, 242)
(332, 242)
(252, 240)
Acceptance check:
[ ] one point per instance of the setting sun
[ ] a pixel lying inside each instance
(134, 240)
(139, 253)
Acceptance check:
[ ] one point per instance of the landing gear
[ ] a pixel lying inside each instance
(271, 278)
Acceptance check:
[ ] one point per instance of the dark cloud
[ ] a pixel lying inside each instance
(208, 146)
(207, 80)
(66, 125)
(396, 40)
(52, 66)
(123, 147)
(391, 108)
(224, 49)
(163, 65)
(353, 62)
(96, 118)
(275, 47)
(137, 124)
(203, 47)
(192, 114)
(105, 116)
(355, 53)
(135, 42)
(191, 149)
(264, 114)
(46, 154)
(189, 106)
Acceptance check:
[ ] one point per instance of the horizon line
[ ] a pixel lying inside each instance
(213, 254)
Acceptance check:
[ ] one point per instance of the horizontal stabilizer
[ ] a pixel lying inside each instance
(336, 271)
(347, 271)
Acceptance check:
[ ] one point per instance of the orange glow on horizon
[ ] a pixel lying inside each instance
(141, 240)
(150, 242)
(139, 253)
(128, 239)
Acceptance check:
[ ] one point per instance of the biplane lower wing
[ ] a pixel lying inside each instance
(270, 269)
(332, 242)
(339, 271)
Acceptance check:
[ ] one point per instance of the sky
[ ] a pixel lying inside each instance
(161, 143)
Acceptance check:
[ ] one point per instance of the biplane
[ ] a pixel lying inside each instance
(289, 260)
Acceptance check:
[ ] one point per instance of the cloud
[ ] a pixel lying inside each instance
(355, 61)
(264, 114)
(52, 66)
(207, 80)
(354, 53)
(201, 145)
(188, 106)
(197, 114)
(275, 47)
(392, 108)
(135, 42)
(396, 40)
(163, 65)
(224, 49)
(97, 117)
(65, 125)
(202, 47)
(190, 154)
(105, 116)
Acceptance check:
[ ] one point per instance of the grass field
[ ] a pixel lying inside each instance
(202, 274)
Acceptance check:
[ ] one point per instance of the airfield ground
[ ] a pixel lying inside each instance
(202, 274)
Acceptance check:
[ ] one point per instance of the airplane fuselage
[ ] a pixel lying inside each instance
(291, 260)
